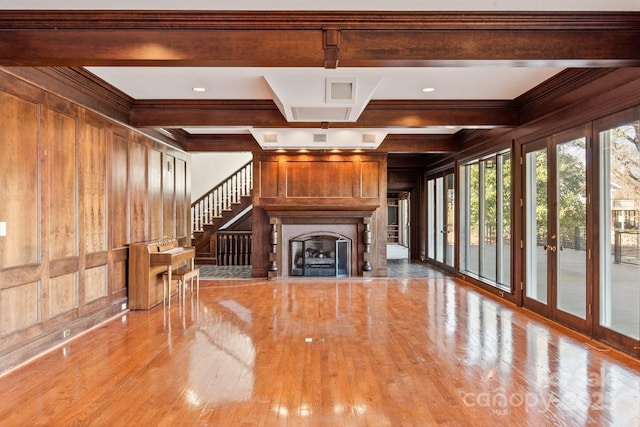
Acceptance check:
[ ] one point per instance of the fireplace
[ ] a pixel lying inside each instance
(320, 255)
(319, 243)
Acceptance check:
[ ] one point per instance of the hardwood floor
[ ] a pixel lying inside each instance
(348, 352)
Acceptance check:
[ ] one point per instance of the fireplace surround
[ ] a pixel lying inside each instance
(319, 244)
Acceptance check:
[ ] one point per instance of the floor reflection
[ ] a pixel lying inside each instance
(421, 351)
(222, 361)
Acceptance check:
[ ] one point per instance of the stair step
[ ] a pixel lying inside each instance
(205, 260)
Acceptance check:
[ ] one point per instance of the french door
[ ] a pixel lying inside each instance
(441, 219)
(556, 228)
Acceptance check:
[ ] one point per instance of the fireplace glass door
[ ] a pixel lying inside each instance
(320, 256)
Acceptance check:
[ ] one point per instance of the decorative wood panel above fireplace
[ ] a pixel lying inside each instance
(341, 195)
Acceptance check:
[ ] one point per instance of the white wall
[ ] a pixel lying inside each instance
(210, 169)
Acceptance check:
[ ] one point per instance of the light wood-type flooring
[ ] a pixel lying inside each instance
(325, 352)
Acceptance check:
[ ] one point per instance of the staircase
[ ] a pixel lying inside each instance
(216, 208)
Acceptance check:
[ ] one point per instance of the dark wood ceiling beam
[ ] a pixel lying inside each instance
(438, 113)
(209, 143)
(264, 113)
(290, 39)
(403, 143)
(354, 20)
(587, 48)
(268, 48)
(184, 113)
(392, 144)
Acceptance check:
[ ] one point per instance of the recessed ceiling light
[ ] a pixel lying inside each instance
(199, 89)
(428, 89)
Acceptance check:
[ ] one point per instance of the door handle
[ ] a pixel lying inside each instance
(550, 248)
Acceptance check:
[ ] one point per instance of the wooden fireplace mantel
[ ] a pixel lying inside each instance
(293, 213)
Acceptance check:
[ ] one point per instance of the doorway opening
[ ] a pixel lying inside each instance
(398, 223)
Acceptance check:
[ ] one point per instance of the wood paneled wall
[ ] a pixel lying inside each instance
(319, 183)
(75, 189)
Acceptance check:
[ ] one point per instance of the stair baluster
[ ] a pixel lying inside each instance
(209, 211)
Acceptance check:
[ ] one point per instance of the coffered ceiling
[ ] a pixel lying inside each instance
(406, 71)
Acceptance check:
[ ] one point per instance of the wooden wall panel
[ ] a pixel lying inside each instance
(74, 191)
(182, 199)
(370, 179)
(94, 180)
(19, 307)
(19, 200)
(119, 201)
(59, 140)
(63, 294)
(269, 179)
(138, 193)
(118, 277)
(168, 196)
(95, 283)
(154, 188)
(320, 179)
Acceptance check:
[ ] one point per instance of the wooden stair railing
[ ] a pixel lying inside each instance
(218, 206)
(221, 197)
(233, 247)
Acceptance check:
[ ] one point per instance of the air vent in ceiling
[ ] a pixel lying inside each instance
(319, 137)
(340, 91)
(270, 137)
(368, 138)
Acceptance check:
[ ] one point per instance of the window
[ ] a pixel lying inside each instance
(486, 219)
(619, 229)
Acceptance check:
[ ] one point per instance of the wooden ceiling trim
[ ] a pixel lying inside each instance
(586, 48)
(544, 98)
(173, 113)
(268, 48)
(396, 143)
(419, 113)
(379, 113)
(79, 86)
(257, 20)
(392, 143)
(229, 143)
(78, 38)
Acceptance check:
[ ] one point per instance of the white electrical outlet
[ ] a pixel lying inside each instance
(3, 229)
(66, 333)
(124, 306)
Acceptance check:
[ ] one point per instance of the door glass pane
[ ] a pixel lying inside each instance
(473, 218)
(431, 221)
(504, 220)
(536, 225)
(572, 224)
(440, 220)
(450, 204)
(619, 229)
(488, 217)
